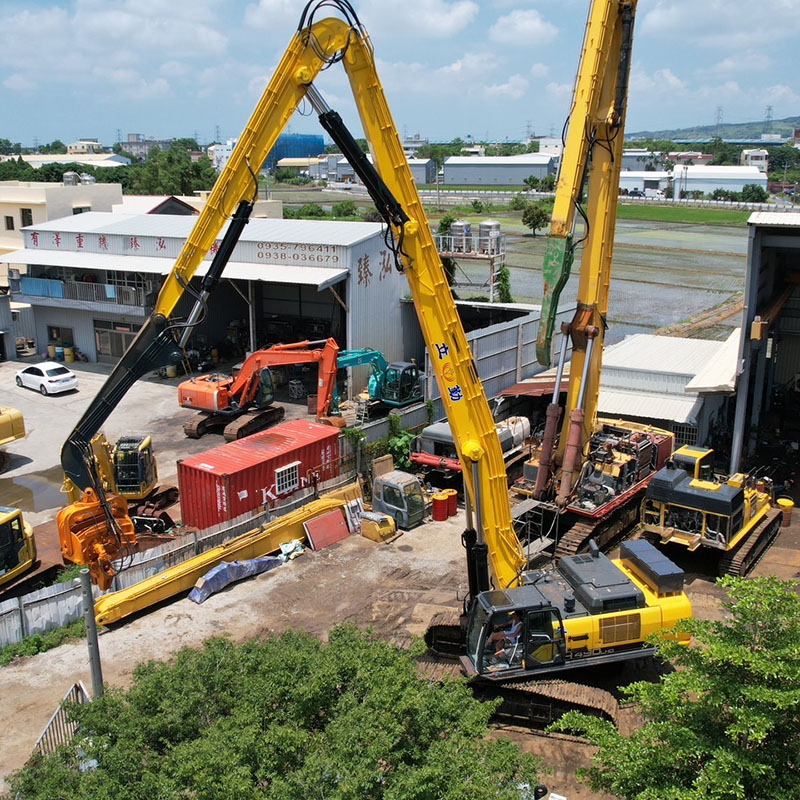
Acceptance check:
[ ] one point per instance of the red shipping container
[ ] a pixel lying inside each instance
(246, 475)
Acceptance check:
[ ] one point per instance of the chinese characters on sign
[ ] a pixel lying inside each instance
(442, 349)
(386, 265)
(364, 272)
(134, 243)
(35, 238)
(57, 239)
(79, 240)
(214, 248)
(455, 393)
(102, 242)
(160, 243)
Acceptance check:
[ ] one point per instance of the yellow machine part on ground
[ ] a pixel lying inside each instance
(12, 425)
(180, 578)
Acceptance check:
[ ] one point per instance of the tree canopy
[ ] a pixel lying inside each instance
(725, 725)
(535, 216)
(283, 718)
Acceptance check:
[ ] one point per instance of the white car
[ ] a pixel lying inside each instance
(48, 378)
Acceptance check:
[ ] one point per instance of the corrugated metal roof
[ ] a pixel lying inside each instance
(142, 203)
(719, 373)
(683, 410)
(636, 173)
(302, 231)
(321, 277)
(476, 161)
(661, 354)
(775, 219)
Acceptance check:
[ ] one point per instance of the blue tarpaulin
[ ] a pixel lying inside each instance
(227, 572)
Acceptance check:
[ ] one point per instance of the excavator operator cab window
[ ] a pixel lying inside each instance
(544, 638)
(408, 381)
(393, 497)
(10, 544)
(414, 500)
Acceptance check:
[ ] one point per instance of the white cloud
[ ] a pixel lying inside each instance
(465, 75)
(743, 62)
(539, 70)
(725, 24)
(524, 28)
(782, 95)
(559, 91)
(432, 19)
(514, 88)
(18, 83)
(94, 43)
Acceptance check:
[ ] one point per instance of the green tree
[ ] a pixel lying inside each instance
(724, 725)
(518, 202)
(504, 285)
(549, 183)
(535, 216)
(785, 157)
(311, 211)
(445, 224)
(187, 143)
(55, 147)
(286, 718)
(753, 193)
(347, 208)
(7, 148)
(531, 182)
(477, 206)
(723, 152)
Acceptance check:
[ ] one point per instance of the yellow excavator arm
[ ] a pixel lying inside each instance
(315, 46)
(592, 156)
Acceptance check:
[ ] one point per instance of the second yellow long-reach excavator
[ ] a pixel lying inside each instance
(520, 624)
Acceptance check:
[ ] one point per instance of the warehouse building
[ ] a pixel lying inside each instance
(92, 281)
(688, 178)
(497, 170)
(768, 399)
(423, 170)
(37, 160)
(643, 180)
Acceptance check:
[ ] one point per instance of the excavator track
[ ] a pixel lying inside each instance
(740, 561)
(533, 703)
(253, 422)
(605, 530)
(201, 424)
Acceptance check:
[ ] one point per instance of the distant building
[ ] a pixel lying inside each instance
(139, 146)
(423, 170)
(412, 143)
(687, 179)
(153, 204)
(551, 145)
(295, 145)
(85, 146)
(640, 159)
(86, 159)
(474, 150)
(497, 170)
(643, 180)
(220, 153)
(755, 158)
(24, 203)
(691, 157)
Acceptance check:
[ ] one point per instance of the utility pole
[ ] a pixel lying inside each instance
(91, 633)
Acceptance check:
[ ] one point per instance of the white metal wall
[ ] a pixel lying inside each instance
(504, 354)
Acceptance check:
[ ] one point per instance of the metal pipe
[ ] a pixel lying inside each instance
(591, 333)
(198, 306)
(553, 414)
(91, 633)
(467, 504)
(478, 500)
(316, 99)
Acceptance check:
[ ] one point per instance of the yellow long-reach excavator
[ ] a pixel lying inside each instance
(591, 610)
(586, 483)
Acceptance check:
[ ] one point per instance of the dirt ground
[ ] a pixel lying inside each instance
(394, 588)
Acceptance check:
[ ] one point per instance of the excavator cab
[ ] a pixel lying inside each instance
(17, 545)
(513, 630)
(135, 470)
(399, 495)
(402, 384)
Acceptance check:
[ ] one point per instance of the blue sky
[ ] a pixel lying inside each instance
(495, 68)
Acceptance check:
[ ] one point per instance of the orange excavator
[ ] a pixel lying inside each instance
(241, 405)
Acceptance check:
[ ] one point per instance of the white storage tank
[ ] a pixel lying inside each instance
(461, 231)
(489, 237)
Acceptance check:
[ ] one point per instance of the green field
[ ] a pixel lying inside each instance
(697, 216)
